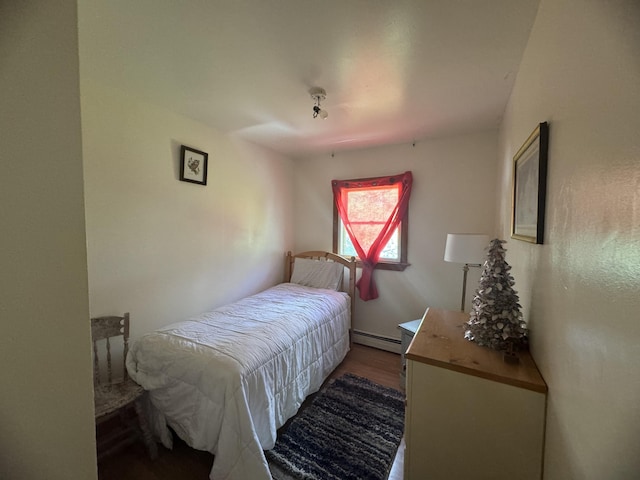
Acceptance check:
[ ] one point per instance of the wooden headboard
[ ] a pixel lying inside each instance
(348, 284)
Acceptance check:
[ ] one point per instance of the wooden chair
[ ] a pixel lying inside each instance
(116, 396)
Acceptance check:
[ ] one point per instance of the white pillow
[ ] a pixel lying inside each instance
(317, 273)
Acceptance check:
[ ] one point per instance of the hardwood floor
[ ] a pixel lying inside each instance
(184, 462)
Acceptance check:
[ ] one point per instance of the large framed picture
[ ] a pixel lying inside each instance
(193, 165)
(530, 187)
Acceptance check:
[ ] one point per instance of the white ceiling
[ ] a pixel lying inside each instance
(394, 70)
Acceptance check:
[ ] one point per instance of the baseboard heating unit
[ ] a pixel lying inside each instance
(378, 341)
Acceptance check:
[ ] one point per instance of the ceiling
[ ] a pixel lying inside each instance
(394, 70)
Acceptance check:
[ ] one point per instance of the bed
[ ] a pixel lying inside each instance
(226, 380)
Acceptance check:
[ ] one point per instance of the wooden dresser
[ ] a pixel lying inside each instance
(470, 415)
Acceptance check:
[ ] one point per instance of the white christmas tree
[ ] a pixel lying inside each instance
(496, 320)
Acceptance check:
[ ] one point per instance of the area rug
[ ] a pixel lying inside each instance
(351, 430)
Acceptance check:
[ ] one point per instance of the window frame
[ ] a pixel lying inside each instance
(382, 264)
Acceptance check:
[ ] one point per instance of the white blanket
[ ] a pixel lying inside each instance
(226, 380)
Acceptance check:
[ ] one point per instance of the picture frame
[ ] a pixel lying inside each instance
(530, 187)
(193, 165)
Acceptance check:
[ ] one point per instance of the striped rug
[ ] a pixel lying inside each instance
(351, 430)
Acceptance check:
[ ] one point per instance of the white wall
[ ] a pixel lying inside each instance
(453, 191)
(581, 290)
(46, 400)
(163, 249)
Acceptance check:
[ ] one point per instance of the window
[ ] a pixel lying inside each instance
(369, 204)
(368, 209)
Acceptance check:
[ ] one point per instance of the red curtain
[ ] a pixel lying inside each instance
(366, 285)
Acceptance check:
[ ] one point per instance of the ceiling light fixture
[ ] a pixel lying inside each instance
(318, 94)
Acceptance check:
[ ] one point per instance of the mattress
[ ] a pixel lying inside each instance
(226, 380)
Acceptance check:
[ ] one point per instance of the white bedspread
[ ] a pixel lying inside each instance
(226, 380)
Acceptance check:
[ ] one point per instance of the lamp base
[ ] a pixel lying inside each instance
(465, 269)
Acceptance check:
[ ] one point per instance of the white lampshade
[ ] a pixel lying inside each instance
(465, 248)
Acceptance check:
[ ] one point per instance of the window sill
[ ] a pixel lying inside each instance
(382, 265)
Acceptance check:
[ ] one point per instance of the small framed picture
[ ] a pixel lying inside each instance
(193, 165)
(530, 187)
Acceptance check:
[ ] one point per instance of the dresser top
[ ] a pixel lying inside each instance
(440, 341)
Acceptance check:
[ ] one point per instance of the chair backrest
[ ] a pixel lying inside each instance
(104, 331)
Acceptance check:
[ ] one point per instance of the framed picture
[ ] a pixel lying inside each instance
(530, 187)
(193, 165)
